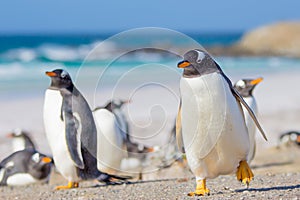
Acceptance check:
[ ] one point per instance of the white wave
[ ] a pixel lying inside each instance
(22, 54)
(61, 53)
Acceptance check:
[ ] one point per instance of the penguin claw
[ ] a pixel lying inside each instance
(244, 173)
(69, 186)
(201, 189)
(199, 193)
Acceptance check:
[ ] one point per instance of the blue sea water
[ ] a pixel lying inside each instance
(24, 59)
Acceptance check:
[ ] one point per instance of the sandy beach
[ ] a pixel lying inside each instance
(274, 179)
(277, 171)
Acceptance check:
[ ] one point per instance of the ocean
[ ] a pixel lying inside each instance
(105, 59)
(139, 65)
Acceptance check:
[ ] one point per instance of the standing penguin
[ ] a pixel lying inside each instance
(25, 167)
(111, 140)
(245, 87)
(71, 131)
(21, 140)
(210, 122)
(114, 128)
(115, 106)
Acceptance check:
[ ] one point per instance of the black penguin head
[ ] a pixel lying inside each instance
(118, 103)
(114, 104)
(198, 62)
(39, 165)
(245, 86)
(60, 79)
(290, 137)
(39, 160)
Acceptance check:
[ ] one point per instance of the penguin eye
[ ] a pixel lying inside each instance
(35, 158)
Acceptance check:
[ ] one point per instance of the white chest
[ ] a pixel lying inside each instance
(56, 135)
(110, 141)
(21, 179)
(213, 128)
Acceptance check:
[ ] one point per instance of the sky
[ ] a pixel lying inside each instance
(96, 16)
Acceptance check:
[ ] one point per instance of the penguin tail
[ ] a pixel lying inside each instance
(112, 179)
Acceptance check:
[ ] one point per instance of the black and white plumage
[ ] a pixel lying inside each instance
(114, 127)
(25, 167)
(210, 124)
(71, 131)
(112, 124)
(245, 87)
(20, 140)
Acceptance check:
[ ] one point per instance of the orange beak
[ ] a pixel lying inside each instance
(10, 135)
(256, 81)
(127, 101)
(46, 159)
(51, 74)
(183, 64)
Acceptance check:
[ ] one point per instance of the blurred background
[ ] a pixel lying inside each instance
(129, 50)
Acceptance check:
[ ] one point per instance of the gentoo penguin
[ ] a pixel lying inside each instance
(71, 131)
(25, 167)
(111, 146)
(20, 140)
(115, 106)
(113, 126)
(210, 122)
(245, 87)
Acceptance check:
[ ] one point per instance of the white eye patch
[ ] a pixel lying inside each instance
(200, 57)
(17, 131)
(9, 164)
(35, 157)
(241, 84)
(64, 74)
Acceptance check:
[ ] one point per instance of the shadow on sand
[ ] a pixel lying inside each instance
(291, 187)
(132, 182)
(272, 164)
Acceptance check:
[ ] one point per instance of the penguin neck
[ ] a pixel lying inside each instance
(193, 72)
(246, 93)
(40, 171)
(69, 88)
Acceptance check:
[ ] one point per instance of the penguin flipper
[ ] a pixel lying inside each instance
(242, 101)
(179, 131)
(73, 133)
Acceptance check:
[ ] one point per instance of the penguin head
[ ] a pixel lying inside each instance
(118, 103)
(245, 86)
(114, 104)
(290, 137)
(16, 133)
(198, 62)
(60, 79)
(39, 160)
(39, 165)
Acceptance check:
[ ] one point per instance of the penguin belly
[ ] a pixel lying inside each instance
(56, 135)
(21, 179)
(251, 126)
(213, 127)
(109, 142)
